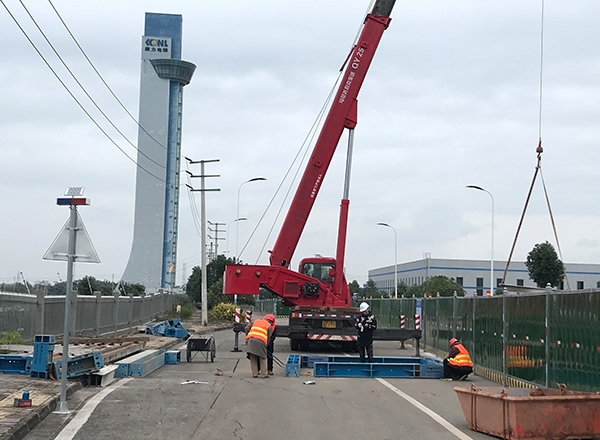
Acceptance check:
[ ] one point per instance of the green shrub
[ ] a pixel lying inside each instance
(187, 310)
(11, 338)
(223, 312)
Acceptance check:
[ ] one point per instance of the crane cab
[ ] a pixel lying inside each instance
(320, 268)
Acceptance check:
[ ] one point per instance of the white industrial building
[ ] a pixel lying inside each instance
(474, 275)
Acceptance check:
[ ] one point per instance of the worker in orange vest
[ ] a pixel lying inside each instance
(258, 334)
(458, 364)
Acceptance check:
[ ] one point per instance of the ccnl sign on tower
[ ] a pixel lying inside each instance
(153, 42)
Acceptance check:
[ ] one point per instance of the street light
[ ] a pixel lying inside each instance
(395, 258)
(492, 256)
(235, 220)
(237, 232)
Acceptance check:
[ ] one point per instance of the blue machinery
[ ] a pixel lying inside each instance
(171, 328)
(343, 366)
(40, 365)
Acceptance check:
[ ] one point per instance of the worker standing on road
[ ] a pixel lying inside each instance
(365, 324)
(258, 334)
(458, 364)
(270, 345)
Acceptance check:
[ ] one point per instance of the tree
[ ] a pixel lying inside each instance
(354, 287)
(370, 290)
(441, 284)
(403, 289)
(214, 283)
(544, 266)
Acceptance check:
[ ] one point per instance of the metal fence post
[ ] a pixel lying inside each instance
(474, 329)
(454, 315)
(504, 337)
(40, 307)
(98, 311)
(437, 324)
(73, 313)
(116, 296)
(130, 320)
(547, 339)
(424, 319)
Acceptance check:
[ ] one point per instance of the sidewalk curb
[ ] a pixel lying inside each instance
(29, 422)
(24, 426)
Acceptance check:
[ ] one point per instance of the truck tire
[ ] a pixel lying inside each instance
(304, 344)
(294, 344)
(348, 346)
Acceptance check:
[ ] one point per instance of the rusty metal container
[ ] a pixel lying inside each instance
(531, 413)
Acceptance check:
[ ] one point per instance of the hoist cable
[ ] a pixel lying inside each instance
(562, 261)
(537, 168)
(541, 72)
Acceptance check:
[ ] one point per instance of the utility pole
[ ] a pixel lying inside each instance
(216, 238)
(203, 189)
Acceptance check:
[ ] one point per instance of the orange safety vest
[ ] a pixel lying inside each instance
(259, 330)
(462, 359)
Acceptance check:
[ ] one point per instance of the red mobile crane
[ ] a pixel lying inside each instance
(319, 290)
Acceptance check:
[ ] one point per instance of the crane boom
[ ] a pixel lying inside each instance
(342, 114)
(320, 281)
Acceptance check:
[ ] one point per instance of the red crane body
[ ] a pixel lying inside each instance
(320, 281)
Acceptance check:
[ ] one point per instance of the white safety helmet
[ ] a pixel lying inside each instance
(363, 306)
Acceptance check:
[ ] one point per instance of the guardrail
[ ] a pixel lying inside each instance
(91, 314)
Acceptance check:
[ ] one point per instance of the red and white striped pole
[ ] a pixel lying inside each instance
(402, 326)
(248, 317)
(238, 313)
(417, 322)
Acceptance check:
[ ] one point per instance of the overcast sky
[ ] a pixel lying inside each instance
(452, 98)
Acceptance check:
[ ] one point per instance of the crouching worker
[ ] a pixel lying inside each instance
(258, 335)
(458, 364)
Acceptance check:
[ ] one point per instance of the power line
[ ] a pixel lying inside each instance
(72, 95)
(102, 78)
(83, 88)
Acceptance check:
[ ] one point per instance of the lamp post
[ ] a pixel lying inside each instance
(492, 251)
(237, 229)
(235, 220)
(395, 258)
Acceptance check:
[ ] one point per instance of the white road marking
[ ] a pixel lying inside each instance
(82, 416)
(449, 426)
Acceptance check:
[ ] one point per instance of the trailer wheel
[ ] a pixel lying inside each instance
(213, 350)
(304, 344)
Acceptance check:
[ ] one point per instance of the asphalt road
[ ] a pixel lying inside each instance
(237, 406)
